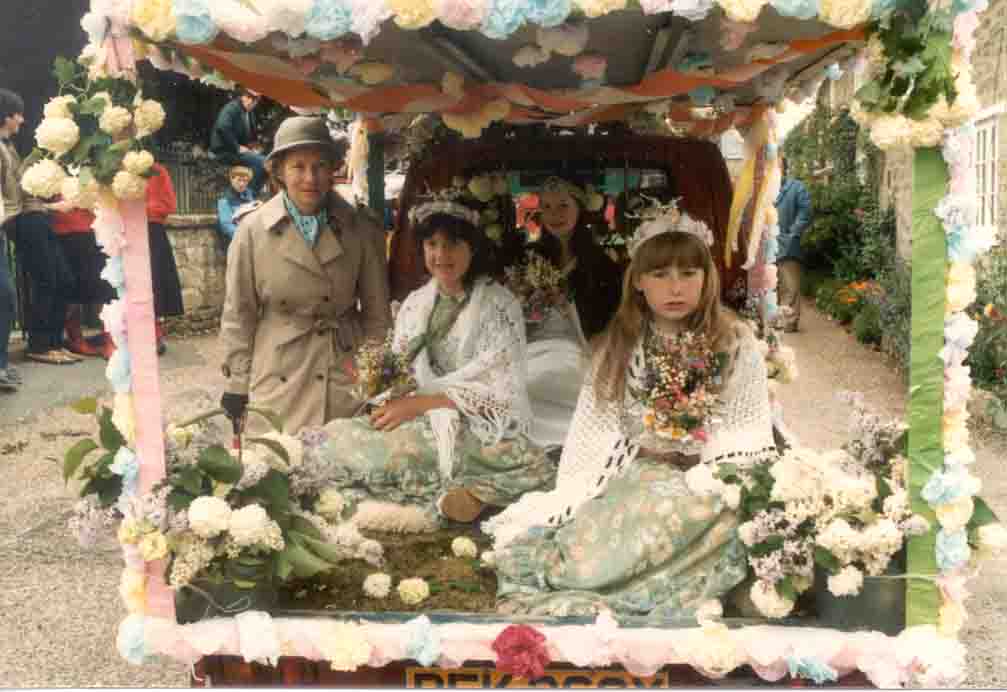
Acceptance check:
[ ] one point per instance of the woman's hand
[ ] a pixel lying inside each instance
(395, 412)
(676, 459)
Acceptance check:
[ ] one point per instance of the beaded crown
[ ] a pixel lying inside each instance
(444, 201)
(657, 217)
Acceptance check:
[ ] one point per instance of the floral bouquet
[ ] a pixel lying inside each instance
(538, 285)
(679, 388)
(381, 370)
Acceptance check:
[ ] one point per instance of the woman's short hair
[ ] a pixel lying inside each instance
(10, 104)
(458, 229)
(243, 171)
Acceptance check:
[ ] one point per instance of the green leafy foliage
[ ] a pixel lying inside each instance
(217, 463)
(75, 456)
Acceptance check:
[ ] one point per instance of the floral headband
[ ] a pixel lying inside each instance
(658, 218)
(587, 198)
(444, 201)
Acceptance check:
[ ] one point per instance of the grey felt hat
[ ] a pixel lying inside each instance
(304, 130)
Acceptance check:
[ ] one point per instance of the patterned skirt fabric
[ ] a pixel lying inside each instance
(401, 466)
(647, 546)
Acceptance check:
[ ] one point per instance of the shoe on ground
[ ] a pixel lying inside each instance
(459, 504)
(161, 347)
(83, 347)
(7, 383)
(13, 374)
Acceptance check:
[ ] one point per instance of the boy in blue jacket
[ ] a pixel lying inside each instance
(237, 196)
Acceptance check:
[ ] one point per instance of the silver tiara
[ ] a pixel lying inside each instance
(657, 218)
(444, 201)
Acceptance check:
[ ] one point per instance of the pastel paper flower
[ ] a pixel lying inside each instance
(154, 18)
(947, 486)
(713, 650)
(153, 546)
(844, 14)
(114, 272)
(742, 10)
(194, 24)
(692, 10)
(503, 18)
(950, 618)
(461, 15)
(598, 8)
(126, 464)
(952, 550)
(344, 646)
(521, 651)
(138, 162)
(378, 585)
(43, 179)
(129, 639)
(961, 287)
(288, 16)
(991, 539)
(413, 591)
(133, 590)
(811, 668)
(238, 21)
(955, 515)
(413, 14)
(94, 24)
(960, 330)
(328, 19)
(368, 16)
(548, 13)
(424, 645)
(799, 9)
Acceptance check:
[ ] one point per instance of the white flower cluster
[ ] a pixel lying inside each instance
(378, 585)
(251, 526)
(413, 591)
(209, 516)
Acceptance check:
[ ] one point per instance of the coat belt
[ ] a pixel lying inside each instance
(294, 326)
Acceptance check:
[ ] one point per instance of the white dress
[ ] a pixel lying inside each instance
(557, 363)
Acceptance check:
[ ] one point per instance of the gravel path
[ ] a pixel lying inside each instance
(59, 605)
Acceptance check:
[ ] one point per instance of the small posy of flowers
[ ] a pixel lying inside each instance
(680, 385)
(379, 368)
(91, 139)
(538, 285)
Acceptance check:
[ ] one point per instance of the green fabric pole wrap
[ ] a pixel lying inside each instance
(376, 174)
(926, 390)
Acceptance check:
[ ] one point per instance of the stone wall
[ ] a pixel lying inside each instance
(201, 264)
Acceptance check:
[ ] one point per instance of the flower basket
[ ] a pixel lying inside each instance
(880, 606)
(247, 585)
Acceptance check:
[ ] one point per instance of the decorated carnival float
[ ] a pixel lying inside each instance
(220, 545)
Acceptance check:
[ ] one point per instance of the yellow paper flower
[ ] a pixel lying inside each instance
(463, 546)
(597, 8)
(114, 120)
(955, 515)
(950, 618)
(148, 117)
(58, 107)
(961, 287)
(413, 591)
(955, 431)
(129, 532)
(154, 18)
(344, 646)
(126, 185)
(844, 14)
(123, 417)
(742, 10)
(412, 14)
(153, 546)
(133, 590)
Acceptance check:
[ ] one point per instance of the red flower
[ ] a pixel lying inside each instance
(521, 651)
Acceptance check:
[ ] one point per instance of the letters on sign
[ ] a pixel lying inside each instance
(489, 678)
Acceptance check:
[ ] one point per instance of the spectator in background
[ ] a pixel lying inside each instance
(74, 230)
(232, 140)
(236, 196)
(11, 117)
(39, 254)
(793, 206)
(161, 202)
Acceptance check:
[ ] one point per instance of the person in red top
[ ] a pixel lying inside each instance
(74, 231)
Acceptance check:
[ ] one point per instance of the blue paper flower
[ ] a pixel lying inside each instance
(771, 306)
(504, 18)
(548, 13)
(328, 19)
(118, 370)
(193, 23)
(129, 640)
(424, 643)
(944, 487)
(113, 272)
(771, 245)
(811, 668)
(952, 550)
(880, 7)
(834, 72)
(703, 96)
(772, 150)
(963, 6)
(800, 9)
(125, 464)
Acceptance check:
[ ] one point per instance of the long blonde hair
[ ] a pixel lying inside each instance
(614, 347)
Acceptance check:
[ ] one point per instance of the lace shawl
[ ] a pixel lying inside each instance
(489, 388)
(604, 438)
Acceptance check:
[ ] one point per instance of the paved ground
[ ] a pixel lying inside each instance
(59, 606)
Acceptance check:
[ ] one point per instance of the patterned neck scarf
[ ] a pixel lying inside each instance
(309, 226)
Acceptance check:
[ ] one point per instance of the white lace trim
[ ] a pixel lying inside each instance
(489, 387)
(605, 438)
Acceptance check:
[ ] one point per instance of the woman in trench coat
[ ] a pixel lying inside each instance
(306, 284)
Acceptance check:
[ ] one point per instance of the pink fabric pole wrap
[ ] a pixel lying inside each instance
(144, 379)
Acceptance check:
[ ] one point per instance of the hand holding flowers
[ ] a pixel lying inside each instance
(539, 286)
(381, 370)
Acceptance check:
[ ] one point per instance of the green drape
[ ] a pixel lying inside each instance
(926, 391)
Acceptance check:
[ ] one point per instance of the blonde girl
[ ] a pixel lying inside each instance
(634, 526)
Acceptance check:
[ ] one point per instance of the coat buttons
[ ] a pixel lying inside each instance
(283, 378)
(319, 377)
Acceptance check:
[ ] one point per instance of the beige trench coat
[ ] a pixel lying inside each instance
(291, 321)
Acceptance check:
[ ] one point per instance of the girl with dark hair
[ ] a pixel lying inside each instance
(458, 443)
(556, 346)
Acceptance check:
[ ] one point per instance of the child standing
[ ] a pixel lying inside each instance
(629, 527)
(236, 196)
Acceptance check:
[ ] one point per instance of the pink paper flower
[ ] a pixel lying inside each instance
(521, 651)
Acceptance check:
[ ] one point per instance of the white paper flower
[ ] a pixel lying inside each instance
(209, 516)
(731, 495)
(114, 119)
(378, 585)
(769, 602)
(344, 646)
(133, 590)
(701, 481)
(844, 14)
(847, 582)
(138, 162)
(840, 539)
(148, 117)
(330, 504)
(463, 546)
(126, 185)
(742, 10)
(288, 16)
(713, 650)
(709, 610)
(43, 179)
(238, 21)
(58, 107)
(414, 590)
